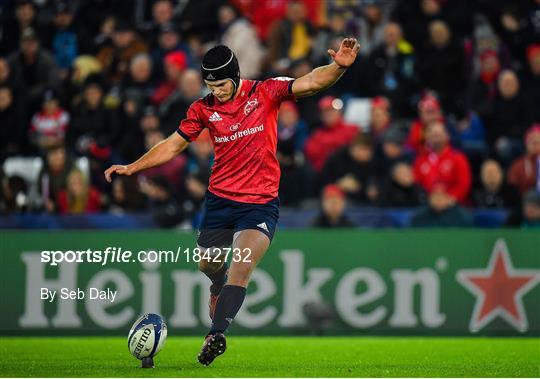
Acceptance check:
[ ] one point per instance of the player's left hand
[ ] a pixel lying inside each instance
(347, 52)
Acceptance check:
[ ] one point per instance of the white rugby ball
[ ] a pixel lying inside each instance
(147, 336)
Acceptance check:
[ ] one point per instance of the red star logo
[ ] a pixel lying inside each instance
(499, 290)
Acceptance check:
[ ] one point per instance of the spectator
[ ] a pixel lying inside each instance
(332, 209)
(126, 197)
(524, 172)
(292, 130)
(52, 178)
(64, 44)
(442, 211)
(375, 17)
(172, 171)
(175, 64)
(429, 111)
(306, 105)
(353, 169)
(34, 68)
(333, 134)
(201, 155)
(6, 79)
(509, 21)
(239, 35)
(174, 108)
(50, 124)
(25, 17)
(442, 67)
(290, 38)
(494, 192)
(138, 85)
(400, 190)
(150, 120)
(531, 210)
(79, 196)
(12, 129)
(337, 28)
(264, 14)
(83, 67)
(96, 21)
(532, 77)
(484, 88)
(115, 59)
(351, 11)
(196, 186)
(94, 127)
(162, 14)
(165, 210)
(440, 164)
(198, 19)
(390, 71)
(470, 135)
(380, 117)
(415, 16)
(131, 144)
(507, 121)
(169, 40)
(391, 150)
(292, 134)
(103, 37)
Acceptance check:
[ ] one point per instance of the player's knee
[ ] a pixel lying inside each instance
(209, 267)
(240, 276)
(209, 263)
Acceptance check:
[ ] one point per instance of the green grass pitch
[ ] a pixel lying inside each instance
(276, 357)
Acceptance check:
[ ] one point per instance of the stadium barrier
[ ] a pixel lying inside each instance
(401, 282)
(364, 217)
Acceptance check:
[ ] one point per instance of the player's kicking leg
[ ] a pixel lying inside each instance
(251, 245)
(216, 270)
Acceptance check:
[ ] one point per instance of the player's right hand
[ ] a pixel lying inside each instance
(117, 169)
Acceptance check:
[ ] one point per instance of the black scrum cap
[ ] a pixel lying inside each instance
(220, 63)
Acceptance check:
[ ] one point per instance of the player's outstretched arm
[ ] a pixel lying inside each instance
(161, 153)
(324, 76)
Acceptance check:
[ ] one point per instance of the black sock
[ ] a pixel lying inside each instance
(218, 278)
(229, 303)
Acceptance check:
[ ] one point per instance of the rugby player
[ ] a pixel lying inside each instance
(241, 207)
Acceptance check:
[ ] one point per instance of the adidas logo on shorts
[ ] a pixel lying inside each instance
(215, 117)
(262, 225)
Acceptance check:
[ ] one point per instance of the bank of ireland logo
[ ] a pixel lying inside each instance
(499, 290)
(250, 106)
(234, 127)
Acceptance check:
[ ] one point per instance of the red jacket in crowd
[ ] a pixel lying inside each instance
(93, 203)
(262, 13)
(449, 168)
(416, 138)
(324, 141)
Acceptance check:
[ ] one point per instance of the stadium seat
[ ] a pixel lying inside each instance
(358, 112)
(27, 168)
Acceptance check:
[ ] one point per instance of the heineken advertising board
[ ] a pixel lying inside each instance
(436, 282)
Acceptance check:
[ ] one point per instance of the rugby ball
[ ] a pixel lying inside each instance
(147, 336)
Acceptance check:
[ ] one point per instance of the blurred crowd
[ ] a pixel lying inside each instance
(448, 92)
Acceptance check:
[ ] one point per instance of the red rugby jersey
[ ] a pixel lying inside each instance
(244, 133)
